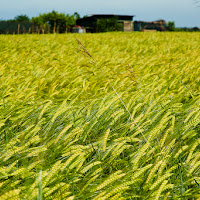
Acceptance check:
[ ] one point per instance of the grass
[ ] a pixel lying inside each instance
(107, 116)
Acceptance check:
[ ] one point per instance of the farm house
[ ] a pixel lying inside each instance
(78, 29)
(159, 25)
(125, 22)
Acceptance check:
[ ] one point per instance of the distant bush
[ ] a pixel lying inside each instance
(171, 27)
(185, 29)
(107, 25)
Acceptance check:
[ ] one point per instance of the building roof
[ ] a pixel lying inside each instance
(93, 17)
(110, 15)
(152, 22)
(120, 17)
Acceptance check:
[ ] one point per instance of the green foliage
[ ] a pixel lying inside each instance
(22, 18)
(115, 116)
(185, 29)
(108, 25)
(171, 26)
(76, 15)
(56, 22)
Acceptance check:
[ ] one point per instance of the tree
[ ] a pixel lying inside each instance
(76, 15)
(56, 22)
(22, 18)
(106, 25)
(41, 22)
(171, 26)
(195, 29)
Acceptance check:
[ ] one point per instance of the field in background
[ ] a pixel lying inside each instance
(107, 116)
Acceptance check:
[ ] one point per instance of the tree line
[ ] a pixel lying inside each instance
(49, 22)
(171, 27)
(54, 22)
(60, 23)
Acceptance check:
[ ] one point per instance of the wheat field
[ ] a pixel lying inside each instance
(100, 116)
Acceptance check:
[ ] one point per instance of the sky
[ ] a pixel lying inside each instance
(185, 13)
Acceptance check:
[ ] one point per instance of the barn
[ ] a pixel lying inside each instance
(159, 25)
(125, 22)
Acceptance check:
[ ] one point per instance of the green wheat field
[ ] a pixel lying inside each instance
(100, 116)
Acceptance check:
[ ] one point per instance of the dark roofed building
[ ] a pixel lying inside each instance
(159, 25)
(89, 23)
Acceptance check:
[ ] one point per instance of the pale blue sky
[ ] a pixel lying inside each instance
(183, 12)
